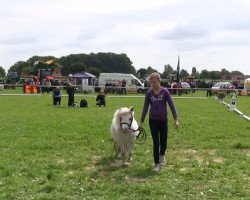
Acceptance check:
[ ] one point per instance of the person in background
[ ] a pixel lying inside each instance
(123, 89)
(32, 85)
(57, 94)
(100, 99)
(48, 85)
(157, 97)
(70, 90)
(209, 89)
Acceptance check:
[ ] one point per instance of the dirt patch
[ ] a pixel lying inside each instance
(199, 159)
(69, 173)
(96, 158)
(185, 169)
(188, 151)
(218, 160)
(90, 168)
(247, 152)
(211, 152)
(61, 161)
(201, 156)
(182, 159)
(134, 179)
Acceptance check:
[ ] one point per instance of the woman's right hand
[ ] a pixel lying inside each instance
(176, 123)
(141, 126)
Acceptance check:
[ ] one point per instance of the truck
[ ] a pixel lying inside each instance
(133, 84)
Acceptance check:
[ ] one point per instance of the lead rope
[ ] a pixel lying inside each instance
(143, 135)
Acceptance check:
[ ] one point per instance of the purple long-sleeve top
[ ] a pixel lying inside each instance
(158, 106)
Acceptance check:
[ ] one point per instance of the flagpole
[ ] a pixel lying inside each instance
(178, 70)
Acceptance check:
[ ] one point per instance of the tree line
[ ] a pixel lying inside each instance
(169, 72)
(73, 63)
(111, 62)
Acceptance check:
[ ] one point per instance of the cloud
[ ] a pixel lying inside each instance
(16, 40)
(183, 32)
(240, 24)
(149, 32)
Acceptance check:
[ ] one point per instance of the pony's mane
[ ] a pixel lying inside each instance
(120, 112)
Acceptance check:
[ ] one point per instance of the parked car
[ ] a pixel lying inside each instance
(2, 81)
(223, 85)
(185, 87)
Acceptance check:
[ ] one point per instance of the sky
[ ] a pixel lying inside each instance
(206, 34)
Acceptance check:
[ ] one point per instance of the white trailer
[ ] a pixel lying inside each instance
(133, 84)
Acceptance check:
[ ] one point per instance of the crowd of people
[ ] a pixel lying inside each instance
(118, 87)
(50, 85)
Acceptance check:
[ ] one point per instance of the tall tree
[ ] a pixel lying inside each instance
(142, 73)
(168, 70)
(2, 72)
(18, 66)
(215, 75)
(204, 74)
(225, 74)
(236, 73)
(194, 71)
(151, 70)
(77, 67)
(184, 73)
(94, 70)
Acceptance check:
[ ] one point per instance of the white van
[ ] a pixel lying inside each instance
(133, 84)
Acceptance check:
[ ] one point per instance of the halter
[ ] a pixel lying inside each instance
(129, 124)
(141, 131)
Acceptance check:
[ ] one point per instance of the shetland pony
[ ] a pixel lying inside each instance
(124, 130)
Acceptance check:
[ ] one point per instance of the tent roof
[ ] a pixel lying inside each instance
(247, 80)
(83, 75)
(49, 63)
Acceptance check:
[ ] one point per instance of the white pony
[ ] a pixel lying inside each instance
(124, 130)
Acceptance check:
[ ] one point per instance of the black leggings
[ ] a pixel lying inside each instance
(57, 100)
(159, 132)
(71, 99)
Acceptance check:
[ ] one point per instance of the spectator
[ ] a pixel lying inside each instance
(100, 99)
(32, 85)
(48, 85)
(70, 90)
(123, 89)
(209, 90)
(57, 94)
(193, 86)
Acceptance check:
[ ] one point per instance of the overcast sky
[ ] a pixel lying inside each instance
(207, 34)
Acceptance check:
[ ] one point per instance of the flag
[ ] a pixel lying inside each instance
(178, 70)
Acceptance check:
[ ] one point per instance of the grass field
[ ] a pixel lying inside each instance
(52, 152)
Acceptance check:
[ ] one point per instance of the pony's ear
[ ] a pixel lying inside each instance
(131, 108)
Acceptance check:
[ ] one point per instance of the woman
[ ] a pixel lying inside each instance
(157, 97)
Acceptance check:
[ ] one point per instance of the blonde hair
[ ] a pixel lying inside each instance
(155, 75)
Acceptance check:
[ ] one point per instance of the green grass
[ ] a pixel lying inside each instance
(52, 152)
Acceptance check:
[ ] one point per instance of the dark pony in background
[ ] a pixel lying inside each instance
(124, 130)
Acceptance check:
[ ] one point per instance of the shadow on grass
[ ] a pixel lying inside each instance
(109, 166)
